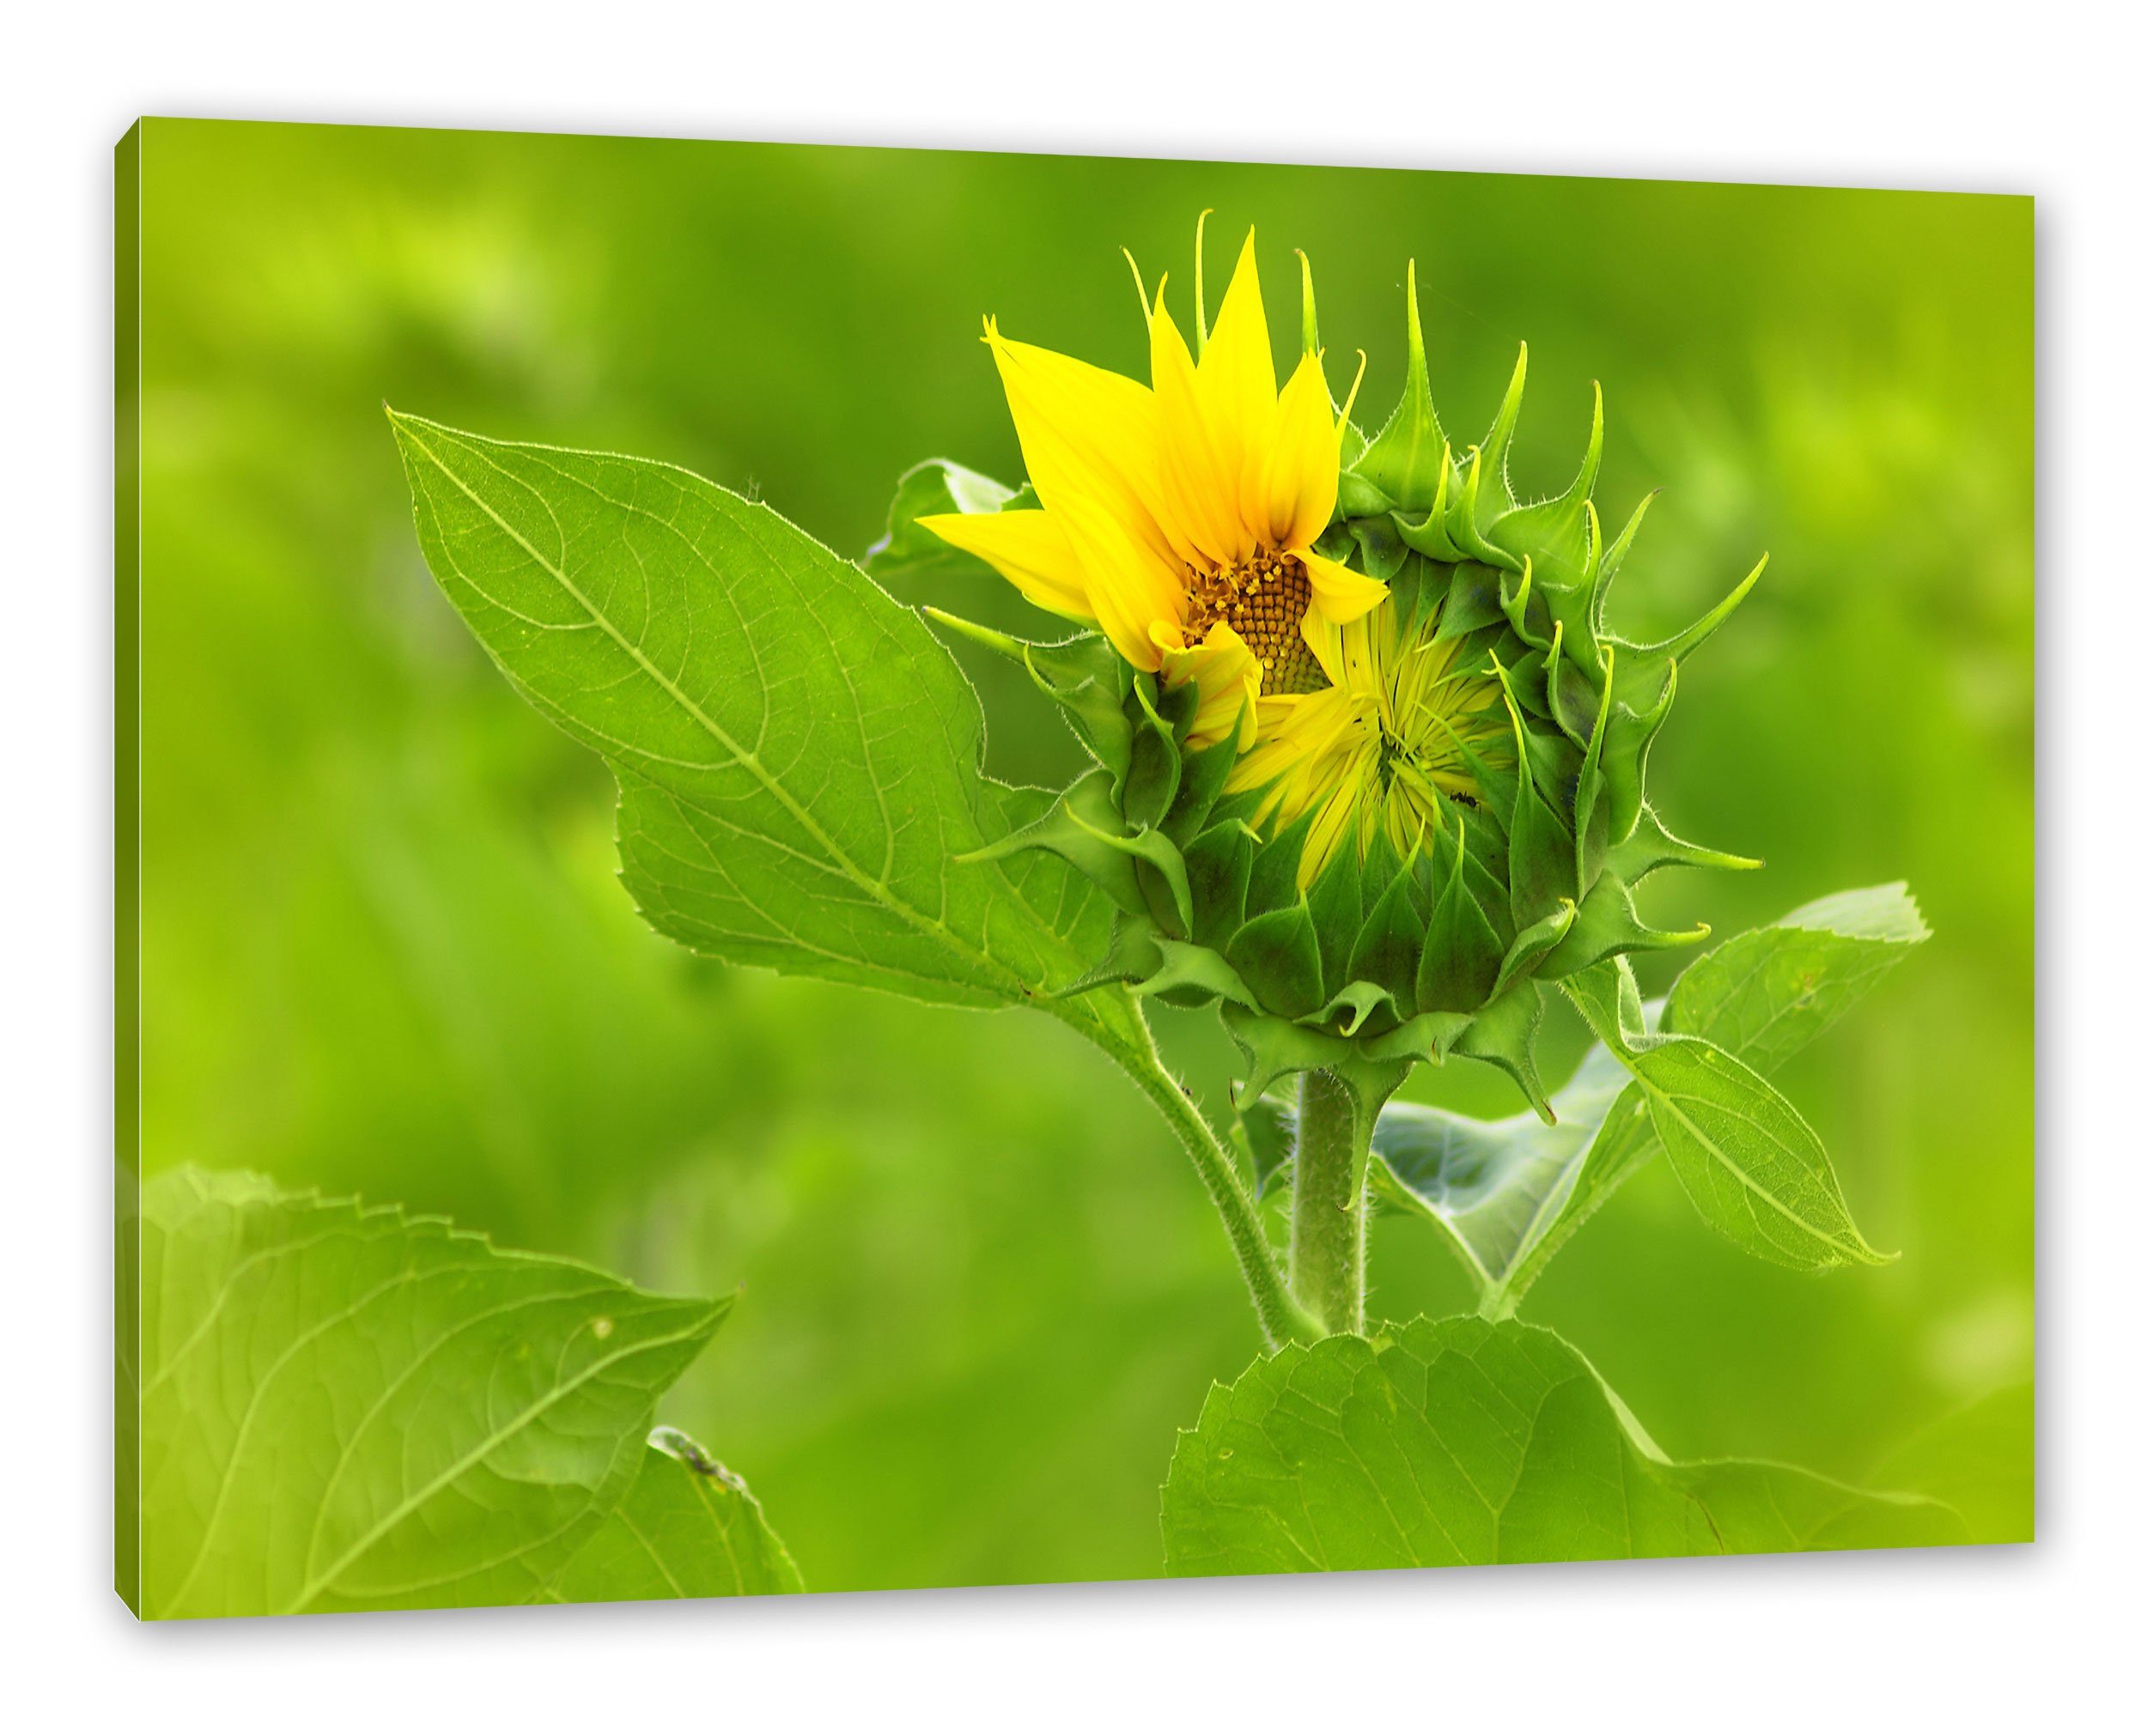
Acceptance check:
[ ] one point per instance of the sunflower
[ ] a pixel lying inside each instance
(1391, 746)
(1179, 517)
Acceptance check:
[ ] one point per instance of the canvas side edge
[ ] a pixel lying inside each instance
(126, 832)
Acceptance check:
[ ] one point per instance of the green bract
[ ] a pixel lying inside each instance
(1387, 955)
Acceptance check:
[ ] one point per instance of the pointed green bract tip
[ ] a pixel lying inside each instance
(1417, 368)
(1501, 438)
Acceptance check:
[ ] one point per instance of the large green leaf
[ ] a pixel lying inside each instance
(1511, 1192)
(1465, 1442)
(688, 1528)
(346, 1408)
(797, 757)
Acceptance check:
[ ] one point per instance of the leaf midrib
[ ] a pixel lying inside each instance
(321, 1328)
(877, 890)
(1657, 1096)
(319, 1582)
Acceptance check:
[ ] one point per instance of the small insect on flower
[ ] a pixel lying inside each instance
(1179, 516)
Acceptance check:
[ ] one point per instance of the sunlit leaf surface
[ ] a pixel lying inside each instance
(1454, 1442)
(1510, 1191)
(797, 758)
(345, 1407)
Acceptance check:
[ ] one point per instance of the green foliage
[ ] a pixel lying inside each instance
(346, 1408)
(688, 1528)
(388, 953)
(1510, 1192)
(1765, 993)
(798, 760)
(1496, 1188)
(1750, 1163)
(1463, 1442)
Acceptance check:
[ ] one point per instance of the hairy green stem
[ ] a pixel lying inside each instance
(1130, 1043)
(1327, 1210)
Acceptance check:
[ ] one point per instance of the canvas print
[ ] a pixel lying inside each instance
(845, 869)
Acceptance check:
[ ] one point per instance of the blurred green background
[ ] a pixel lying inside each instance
(385, 951)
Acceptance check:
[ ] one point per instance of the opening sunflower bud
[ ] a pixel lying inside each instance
(1372, 766)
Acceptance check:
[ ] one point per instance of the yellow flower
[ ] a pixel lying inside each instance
(1179, 516)
(1382, 749)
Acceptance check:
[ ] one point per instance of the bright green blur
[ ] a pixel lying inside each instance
(384, 950)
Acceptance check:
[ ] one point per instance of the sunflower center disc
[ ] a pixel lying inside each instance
(1263, 602)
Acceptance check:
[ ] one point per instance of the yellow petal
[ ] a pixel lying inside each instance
(1298, 735)
(1089, 438)
(1028, 548)
(1325, 639)
(1227, 675)
(1277, 750)
(1237, 378)
(1199, 494)
(1129, 586)
(1304, 459)
(1339, 594)
(1328, 831)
